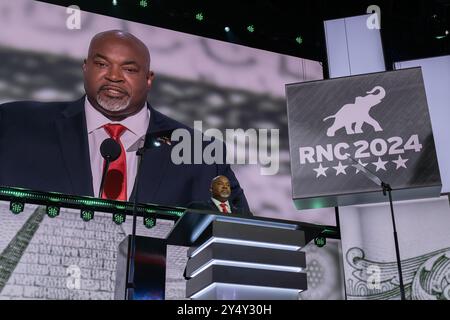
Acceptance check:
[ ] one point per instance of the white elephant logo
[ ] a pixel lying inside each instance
(357, 113)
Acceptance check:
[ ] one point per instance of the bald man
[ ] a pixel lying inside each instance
(55, 146)
(220, 191)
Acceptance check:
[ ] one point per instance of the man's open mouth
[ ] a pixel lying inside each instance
(113, 91)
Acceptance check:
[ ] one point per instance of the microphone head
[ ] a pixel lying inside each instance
(110, 149)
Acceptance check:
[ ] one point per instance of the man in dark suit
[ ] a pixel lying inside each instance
(220, 199)
(55, 146)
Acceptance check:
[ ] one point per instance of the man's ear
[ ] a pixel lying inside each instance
(84, 65)
(150, 78)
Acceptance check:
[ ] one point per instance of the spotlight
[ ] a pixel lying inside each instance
(119, 218)
(114, 3)
(199, 16)
(52, 211)
(87, 215)
(251, 28)
(143, 3)
(443, 35)
(320, 241)
(299, 40)
(227, 29)
(149, 221)
(16, 207)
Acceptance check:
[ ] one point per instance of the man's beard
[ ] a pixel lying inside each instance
(225, 194)
(113, 104)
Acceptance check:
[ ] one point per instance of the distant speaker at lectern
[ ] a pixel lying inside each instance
(220, 199)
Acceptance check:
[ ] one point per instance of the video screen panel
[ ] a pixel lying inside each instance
(223, 85)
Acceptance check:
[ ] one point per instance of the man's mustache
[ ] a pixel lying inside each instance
(110, 87)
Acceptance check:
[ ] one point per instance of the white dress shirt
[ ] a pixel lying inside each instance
(217, 203)
(136, 128)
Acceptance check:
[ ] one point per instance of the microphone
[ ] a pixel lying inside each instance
(369, 174)
(110, 151)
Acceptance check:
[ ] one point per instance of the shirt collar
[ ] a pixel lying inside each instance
(136, 124)
(217, 202)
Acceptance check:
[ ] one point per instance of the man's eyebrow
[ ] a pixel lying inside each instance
(98, 55)
(130, 62)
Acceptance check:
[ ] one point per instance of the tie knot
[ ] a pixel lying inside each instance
(114, 130)
(224, 207)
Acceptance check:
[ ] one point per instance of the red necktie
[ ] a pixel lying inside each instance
(223, 205)
(115, 187)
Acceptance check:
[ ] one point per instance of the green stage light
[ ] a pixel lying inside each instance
(299, 40)
(87, 215)
(114, 3)
(227, 29)
(251, 28)
(320, 241)
(119, 218)
(143, 3)
(16, 207)
(149, 221)
(199, 16)
(52, 211)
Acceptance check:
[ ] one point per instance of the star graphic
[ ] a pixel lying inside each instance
(363, 164)
(400, 162)
(321, 171)
(340, 169)
(380, 164)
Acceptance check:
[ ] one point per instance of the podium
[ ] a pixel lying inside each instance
(238, 258)
(230, 256)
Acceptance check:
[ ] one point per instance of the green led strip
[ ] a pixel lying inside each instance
(85, 202)
(93, 204)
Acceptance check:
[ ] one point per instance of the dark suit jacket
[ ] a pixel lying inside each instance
(210, 205)
(44, 146)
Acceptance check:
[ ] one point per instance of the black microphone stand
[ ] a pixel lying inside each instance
(129, 290)
(105, 170)
(150, 140)
(386, 190)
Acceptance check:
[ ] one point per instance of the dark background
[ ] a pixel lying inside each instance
(410, 29)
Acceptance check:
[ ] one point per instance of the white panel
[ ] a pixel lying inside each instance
(353, 48)
(337, 51)
(364, 45)
(436, 74)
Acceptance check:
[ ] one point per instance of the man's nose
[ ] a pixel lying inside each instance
(114, 74)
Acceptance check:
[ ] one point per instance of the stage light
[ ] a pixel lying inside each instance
(149, 221)
(16, 207)
(299, 40)
(199, 16)
(119, 218)
(143, 3)
(320, 241)
(444, 35)
(227, 29)
(114, 3)
(52, 211)
(87, 215)
(251, 28)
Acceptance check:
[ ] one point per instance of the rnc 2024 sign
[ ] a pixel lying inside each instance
(381, 120)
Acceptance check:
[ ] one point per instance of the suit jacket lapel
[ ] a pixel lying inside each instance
(74, 143)
(213, 205)
(155, 161)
